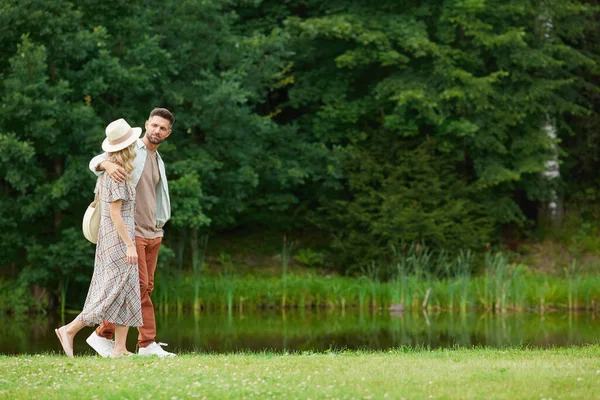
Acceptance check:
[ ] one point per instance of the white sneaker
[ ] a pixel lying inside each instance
(103, 346)
(154, 349)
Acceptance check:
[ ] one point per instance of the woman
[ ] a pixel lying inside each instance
(114, 293)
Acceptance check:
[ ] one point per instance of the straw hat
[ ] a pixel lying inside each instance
(119, 135)
(91, 221)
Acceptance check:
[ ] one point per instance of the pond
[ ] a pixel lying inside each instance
(321, 330)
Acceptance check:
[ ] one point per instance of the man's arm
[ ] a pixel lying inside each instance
(100, 163)
(96, 162)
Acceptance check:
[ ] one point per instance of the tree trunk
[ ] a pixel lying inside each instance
(553, 210)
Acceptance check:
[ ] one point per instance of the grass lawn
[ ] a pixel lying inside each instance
(571, 373)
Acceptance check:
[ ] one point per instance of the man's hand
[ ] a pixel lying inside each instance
(116, 172)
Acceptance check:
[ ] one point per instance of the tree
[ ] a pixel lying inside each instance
(475, 77)
(55, 67)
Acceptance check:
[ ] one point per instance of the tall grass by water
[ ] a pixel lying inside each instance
(416, 279)
(526, 292)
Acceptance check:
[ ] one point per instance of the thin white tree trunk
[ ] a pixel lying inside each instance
(552, 172)
(554, 208)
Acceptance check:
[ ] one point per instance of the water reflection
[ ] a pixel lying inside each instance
(322, 330)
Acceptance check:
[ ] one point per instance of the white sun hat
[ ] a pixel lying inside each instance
(91, 221)
(119, 135)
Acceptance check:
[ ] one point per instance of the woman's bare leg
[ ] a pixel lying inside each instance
(66, 333)
(120, 341)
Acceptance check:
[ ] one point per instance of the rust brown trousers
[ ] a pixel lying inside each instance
(147, 250)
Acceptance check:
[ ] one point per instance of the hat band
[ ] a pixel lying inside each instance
(122, 138)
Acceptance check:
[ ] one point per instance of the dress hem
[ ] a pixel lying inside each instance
(98, 321)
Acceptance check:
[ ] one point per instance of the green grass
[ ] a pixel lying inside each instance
(403, 373)
(417, 278)
(499, 292)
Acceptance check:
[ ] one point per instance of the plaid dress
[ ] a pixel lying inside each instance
(114, 293)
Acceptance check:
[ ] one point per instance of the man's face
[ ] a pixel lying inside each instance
(157, 129)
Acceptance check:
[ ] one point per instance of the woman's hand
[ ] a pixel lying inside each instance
(132, 257)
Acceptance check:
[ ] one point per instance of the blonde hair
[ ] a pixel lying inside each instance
(124, 158)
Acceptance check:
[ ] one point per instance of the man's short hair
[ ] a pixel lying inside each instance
(164, 113)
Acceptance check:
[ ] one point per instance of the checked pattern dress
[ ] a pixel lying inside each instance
(114, 293)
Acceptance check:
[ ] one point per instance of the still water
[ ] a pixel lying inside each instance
(323, 330)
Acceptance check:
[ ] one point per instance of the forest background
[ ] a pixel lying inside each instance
(343, 131)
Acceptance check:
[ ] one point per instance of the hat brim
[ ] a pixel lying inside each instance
(109, 148)
(91, 222)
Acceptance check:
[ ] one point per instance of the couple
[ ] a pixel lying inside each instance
(134, 206)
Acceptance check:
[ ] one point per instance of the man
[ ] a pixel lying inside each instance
(152, 210)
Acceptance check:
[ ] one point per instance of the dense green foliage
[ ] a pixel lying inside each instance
(379, 122)
(474, 80)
